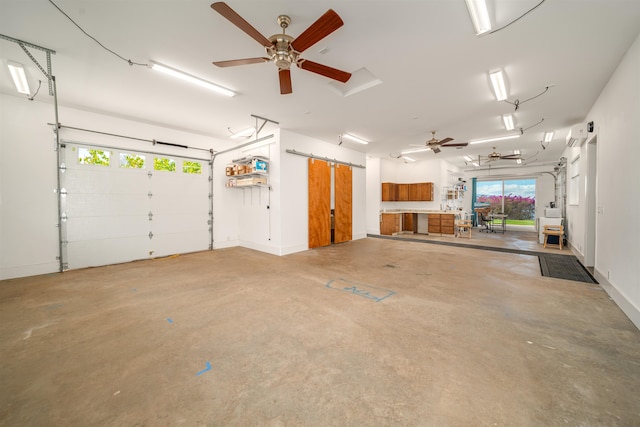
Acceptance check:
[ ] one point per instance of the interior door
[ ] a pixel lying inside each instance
(343, 211)
(319, 203)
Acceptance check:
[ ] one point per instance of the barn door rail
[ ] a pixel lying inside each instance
(326, 159)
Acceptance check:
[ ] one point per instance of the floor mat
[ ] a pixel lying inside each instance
(564, 267)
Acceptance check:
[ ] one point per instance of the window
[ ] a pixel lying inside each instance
(164, 164)
(191, 167)
(88, 156)
(574, 182)
(515, 197)
(132, 161)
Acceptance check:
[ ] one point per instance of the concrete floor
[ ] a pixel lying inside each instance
(369, 332)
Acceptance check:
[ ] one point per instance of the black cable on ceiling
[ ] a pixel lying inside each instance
(518, 18)
(130, 62)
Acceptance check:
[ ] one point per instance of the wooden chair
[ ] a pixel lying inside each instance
(463, 228)
(553, 230)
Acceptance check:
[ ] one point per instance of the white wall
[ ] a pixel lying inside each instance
(616, 115)
(28, 204)
(294, 196)
(374, 195)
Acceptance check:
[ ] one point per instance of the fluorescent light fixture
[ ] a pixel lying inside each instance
(519, 161)
(354, 138)
(417, 150)
(261, 142)
(409, 159)
(516, 152)
(476, 164)
(189, 78)
(548, 136)
(479, 15)
(244, 133)
(499, 138)
(19, 77)
(507, 119)
(468, 158)
(499, 87)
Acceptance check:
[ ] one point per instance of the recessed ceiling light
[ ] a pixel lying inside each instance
(548, 136)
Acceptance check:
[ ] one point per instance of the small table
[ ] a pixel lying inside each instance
(503, 221)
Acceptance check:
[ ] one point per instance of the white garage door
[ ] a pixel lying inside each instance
(125, 205)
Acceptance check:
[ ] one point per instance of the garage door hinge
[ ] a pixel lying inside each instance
(210, 195)
(209, 222)
(64, 242)
(150, 235)
(63, 192)
(63, 168)
(149, 174)
(150, 194)
(150, 216)
(63, 217)
(210, 178)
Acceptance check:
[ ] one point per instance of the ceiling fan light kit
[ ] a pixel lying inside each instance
(285, 50)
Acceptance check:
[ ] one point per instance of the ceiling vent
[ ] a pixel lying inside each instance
(577, 135)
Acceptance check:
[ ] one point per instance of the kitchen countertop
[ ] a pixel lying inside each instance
(418, 211)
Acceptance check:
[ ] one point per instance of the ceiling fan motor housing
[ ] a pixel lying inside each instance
(281, 52)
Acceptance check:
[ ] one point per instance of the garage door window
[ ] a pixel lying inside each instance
(132, 161)
(87, 156)
(191, 167)
(164, 164)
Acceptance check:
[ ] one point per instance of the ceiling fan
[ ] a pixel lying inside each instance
(435, 144)
(493, 156)
(283, 49)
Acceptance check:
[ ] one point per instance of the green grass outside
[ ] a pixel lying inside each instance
(520, 221)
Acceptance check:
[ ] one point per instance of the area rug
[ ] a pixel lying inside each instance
(564, 267)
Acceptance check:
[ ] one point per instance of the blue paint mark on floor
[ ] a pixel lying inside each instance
(360, 289)
(208, 368)
(169, 320)
(51, 307)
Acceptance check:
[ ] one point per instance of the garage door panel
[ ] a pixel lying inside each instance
(175, 243)
(114, 204)
(90, 253)
(179, 205)
(100, 179)
(106, 227)
(180, 223)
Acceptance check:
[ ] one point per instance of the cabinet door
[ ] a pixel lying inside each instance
(388, 192)
(319, 203)
(343, 203)
(389, 224)
(403, 192)
(414, 192)
(447, 223)
(434, 223)
(426, 192)
(407, 222)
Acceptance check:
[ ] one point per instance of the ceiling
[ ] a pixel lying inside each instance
(433, 68)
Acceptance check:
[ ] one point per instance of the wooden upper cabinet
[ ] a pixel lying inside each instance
(403, 192)
(419, 192)
(388, 192)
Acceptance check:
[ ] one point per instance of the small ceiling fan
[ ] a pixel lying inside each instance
(435, 144)
(283, 49)
(493, 156)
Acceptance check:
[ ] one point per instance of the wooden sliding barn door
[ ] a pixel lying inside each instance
(319, 203)
(343, 203)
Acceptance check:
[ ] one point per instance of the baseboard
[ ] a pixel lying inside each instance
(627, 307)
(225, 244)
(577, 253)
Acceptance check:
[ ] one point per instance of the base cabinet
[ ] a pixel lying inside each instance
(389, 224)
(441, 223)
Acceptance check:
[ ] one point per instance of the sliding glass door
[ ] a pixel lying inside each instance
(515, 197)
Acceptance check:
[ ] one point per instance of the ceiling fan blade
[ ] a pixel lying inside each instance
(325, 25)
(444, 141)
(234, 62)
(223, 9)
(285, 82)
(323, 70)
(458, 144)
(511, 157)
